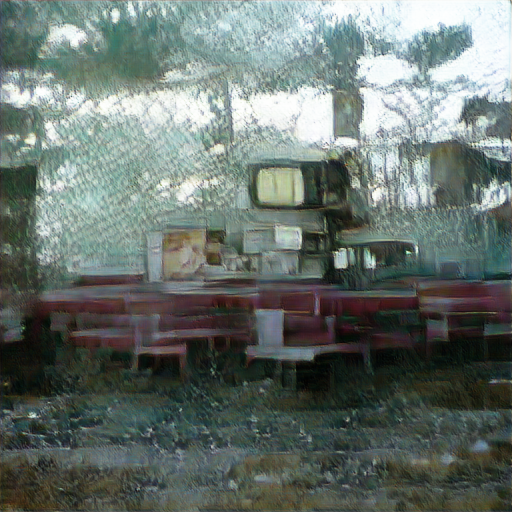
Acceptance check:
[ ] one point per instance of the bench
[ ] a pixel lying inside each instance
(458, 318)
(173, 328)
(236, 302)
(400, 328)
(192, 303)
(148, 304)
(95, 331)
(168, 335)
(304, 303)
(307, 330)
(498, 330)
(146, 329)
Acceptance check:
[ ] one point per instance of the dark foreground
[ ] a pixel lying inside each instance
(98, 436)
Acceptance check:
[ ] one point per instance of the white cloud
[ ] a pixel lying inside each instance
(384, 70)
(31, 139)
(115, 14)
(315, 122)
(12, 94)
(61, 34)
(74, 100)
(307, 113)
(186, 190)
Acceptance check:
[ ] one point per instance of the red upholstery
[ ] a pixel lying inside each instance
(459, 289)
(331, 305)
(398, 303)
(104, 306)
(145, 304)
(354, 307)
(362, 307)
(269, 300)
(190, 304)
(117, 339)
(502, 293)
(298, 302)
(109, 280)
(235, 302)
(172, 322)
(306, 330)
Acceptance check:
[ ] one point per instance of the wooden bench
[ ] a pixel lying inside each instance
(229, 326)
(331, 304)
(146, 329)
(148, 304)
(379, 322)
(169, 335)
(235, 302)
(401, 328)
(104, 331)
(192, 303)
(498, 330)
(303, 303)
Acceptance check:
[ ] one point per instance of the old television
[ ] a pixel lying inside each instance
(287, 184)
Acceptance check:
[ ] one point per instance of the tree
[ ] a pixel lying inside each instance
(419, 101)
(346, 45)
(22, 33)
(133, 46)
(428, 49)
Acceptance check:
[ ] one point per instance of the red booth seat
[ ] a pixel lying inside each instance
(305, 330)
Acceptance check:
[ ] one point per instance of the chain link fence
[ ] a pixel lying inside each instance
(134, 162)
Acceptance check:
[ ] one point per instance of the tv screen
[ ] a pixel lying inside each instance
(280, 186)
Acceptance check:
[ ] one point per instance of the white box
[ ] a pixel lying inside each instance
(270, 326)
(288, 237)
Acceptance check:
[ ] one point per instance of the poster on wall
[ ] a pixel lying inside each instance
(183, 253)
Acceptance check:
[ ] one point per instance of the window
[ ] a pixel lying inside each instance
(280, 186)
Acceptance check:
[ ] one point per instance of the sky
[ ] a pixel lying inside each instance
(308, 114)
(487, 63)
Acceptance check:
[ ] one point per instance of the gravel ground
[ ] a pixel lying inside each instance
(408, 437)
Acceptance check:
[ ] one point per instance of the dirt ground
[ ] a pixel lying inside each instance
(95, 435)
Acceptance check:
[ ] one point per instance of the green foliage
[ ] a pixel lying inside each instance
(135, 47)
(476, 107)
(255, 35)
(428, 49)
(21, 33)
(140, 41)
(346, 45)
(502, 126)
(379, 45)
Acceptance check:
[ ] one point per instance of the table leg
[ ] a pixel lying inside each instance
(367, 355)
(183, 367)
(290, 376)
